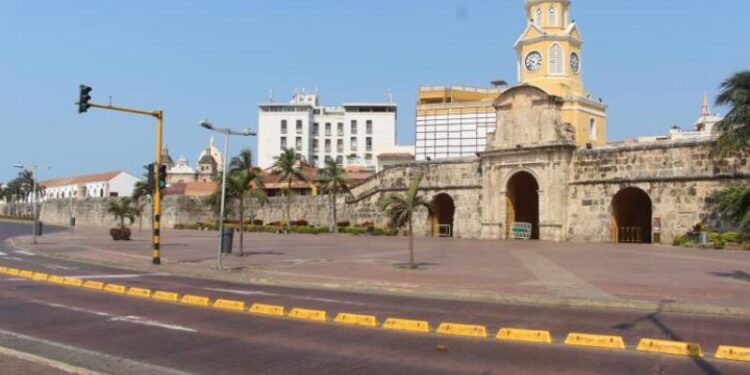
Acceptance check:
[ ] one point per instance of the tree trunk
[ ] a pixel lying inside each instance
(288, 202)
(333, 209)
(411, 245)
(242, 227)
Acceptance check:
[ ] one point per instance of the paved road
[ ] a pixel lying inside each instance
(115, 334)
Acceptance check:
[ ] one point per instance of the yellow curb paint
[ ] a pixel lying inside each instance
(407, 325)
(26, 274)
(356, 320)
(39, 276)
(455, 329)
(73, 282)
(166, 296)
(139, 292)
(115, 288)
(3, 269)
(527, 335)
(735, 353)
(316, 315)
(91, 284)
(56, 279)
(195, 300)
(259, 308)
(597, 341)
(670, 347)
(12, 271)
(228, 304)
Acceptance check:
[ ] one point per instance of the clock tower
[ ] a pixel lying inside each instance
(550, 58)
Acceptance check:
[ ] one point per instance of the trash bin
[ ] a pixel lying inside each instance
(703, 238)
(38, 228)
(72, 221)
(227, 236)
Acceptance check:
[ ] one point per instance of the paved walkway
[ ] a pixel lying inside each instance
(606, 275)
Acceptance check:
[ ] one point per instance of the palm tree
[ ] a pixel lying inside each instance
(246, 184)
(121, 209)
(143, 192)
(734, 205)
(400, 208)
(333, 180)
(286, 168)
(241, 162)
(734, 129)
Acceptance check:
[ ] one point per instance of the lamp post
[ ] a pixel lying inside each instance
(33, 169)
(227, 132)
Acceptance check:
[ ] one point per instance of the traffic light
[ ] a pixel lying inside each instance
(83, 100)
(162, 176)
(151, 171)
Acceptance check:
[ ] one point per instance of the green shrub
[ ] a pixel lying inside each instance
(734, 237)
(685, 240)
(179, 226)
(120, 234)
(713, 237)
(718, 245)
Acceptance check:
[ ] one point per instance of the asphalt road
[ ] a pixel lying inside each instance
(122, 335)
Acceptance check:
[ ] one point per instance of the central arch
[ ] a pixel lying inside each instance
(441, 219)
(522, 195)
(631, 216)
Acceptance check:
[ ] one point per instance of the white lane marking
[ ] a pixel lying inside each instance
(120, 276)
(251, 292)
(62, 366)
(118, 318)
(24, 252)
(58, 267)
(242, 292)
(2, 254)
(17, 258)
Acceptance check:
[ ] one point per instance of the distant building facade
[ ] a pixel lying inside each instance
(108, 184)
(702, 128)
(352, 134)
(207, 169)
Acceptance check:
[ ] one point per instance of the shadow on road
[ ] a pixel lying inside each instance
(736, 275)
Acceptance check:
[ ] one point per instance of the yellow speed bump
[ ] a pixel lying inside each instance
(356, 320)
(12, 271)
(316, 315)
(166, 296)
(259, 308)
(670, 347)
(115, 288)
(40, 276)
(3, 269)
(56, 279)
(91, 284)
(228, 304)
(139, 292)
(190, 299)
(735, 353)
(407, 325)
(597, 341)
(528, 335)
(26, 274)
(73, 282)
(462, 330)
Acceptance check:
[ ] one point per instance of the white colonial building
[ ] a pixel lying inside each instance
(353, 134)
(108, 184)
(703, 127)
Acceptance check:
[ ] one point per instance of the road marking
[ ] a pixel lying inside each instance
(242, 292)
(24, 252)
(259, 293)
(16, 258)
(119, 276)
(2, 254)
(47, 362)
(57, 267)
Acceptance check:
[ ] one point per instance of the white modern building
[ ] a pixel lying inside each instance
(108, 184)
(353, 134)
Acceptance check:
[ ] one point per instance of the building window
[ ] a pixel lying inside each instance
(592, 130)
(283, 126)
(556, 59)
(299, 126)
(354, 127)
(315, 159)
(315, 146)
(283, 143)
(339, 160)
(368, 144)
(328, 129)
(340, 146)
(340, 129)
(368, 156)
(552, 16)
(354, 144)
(328, 158)
(538, 17)
(298, 143)
(328, 146)
(315, 128)
(368, 125)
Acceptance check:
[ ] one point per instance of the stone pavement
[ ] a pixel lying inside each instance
(650, 277)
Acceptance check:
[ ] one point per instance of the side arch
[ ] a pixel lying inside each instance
(632, 212)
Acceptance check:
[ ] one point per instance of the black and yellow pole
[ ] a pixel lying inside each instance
(84, 105)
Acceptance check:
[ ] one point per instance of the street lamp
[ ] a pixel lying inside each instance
(33, 169)
(227, 132)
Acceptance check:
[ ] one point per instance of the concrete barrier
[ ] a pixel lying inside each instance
(69, 281)
(25, 274)
(456, 329)
(407, 325)
(306, 314)
(356, 319)
(166, 296)
(40, 276)
(139, 292)
(261, 309)
(596, 341)
(56, 279)
(670, 347)
(527, 335)
(189, 299)
(227, 304)
(95, 285)
(115, 288)
(734, 353)
(12, 271)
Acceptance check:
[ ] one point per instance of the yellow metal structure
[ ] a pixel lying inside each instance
(259, 308)
(735, 353)
(596, 341)
(228, 304)
(407, 325)
(670, 347)
(356, 319)
(316, 315)
(462, 329)
(527, 335)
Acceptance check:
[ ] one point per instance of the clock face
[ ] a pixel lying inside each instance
(575, 62)
(533, 61)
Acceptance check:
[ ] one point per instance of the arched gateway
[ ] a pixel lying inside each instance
(441, 220)
(523, 203)
(631, 216)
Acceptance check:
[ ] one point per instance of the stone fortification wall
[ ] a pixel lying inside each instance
(680, 178)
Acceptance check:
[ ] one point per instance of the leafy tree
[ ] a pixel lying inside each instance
(241, 162)
(734, 205)
(734, 129)
(122, 209)
(401, 207)
(286, 168)
(246, 184)
(333, 180)
(143, 192)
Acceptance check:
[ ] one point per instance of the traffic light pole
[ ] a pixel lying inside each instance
(159, 115)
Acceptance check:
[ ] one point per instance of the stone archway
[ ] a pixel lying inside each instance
(631, 216)
(522, 195)
(443, 211)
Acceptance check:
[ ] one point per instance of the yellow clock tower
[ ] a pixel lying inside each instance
(550, 57)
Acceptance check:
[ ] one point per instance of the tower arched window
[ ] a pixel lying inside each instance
(556, 59)
(552, 16)
(592, 130)
(538, 17)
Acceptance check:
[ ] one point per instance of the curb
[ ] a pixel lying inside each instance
(466, 296)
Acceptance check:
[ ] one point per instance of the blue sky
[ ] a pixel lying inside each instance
(650, 60)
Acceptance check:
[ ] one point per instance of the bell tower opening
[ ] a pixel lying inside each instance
(522, 195)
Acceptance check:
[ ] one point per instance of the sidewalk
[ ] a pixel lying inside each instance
(649, 277)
